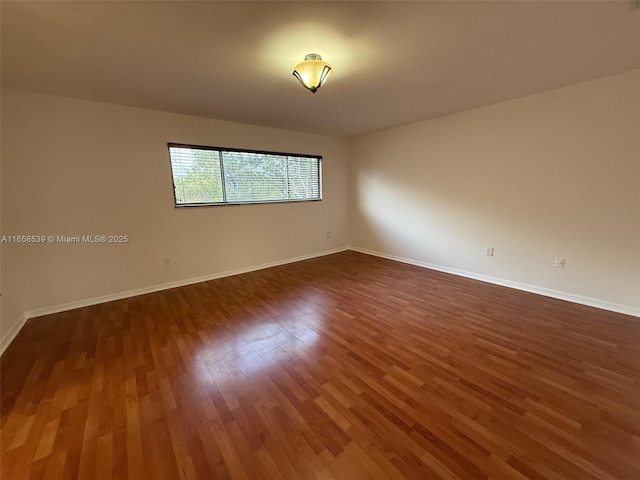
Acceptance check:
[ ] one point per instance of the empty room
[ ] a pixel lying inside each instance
(320, 240)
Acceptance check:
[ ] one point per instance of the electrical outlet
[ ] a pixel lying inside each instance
(559, 262)
(488, 251)
(167, 261)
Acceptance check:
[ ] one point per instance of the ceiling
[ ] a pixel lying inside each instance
(394, 62)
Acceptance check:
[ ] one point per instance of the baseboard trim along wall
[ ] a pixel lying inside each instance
(8, 337)
(10, 334)
(590, 302)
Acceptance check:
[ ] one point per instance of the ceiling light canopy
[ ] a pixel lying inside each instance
(313, 72)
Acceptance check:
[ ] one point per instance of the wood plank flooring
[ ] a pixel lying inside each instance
(341, 367)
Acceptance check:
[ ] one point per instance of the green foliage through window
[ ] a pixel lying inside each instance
(217, 176)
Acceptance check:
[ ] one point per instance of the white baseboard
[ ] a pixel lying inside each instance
(591, 302)
(10, 334)
(8, 337)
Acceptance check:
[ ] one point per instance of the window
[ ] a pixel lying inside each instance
(223, 176)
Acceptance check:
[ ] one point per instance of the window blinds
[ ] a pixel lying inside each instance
(212, 176)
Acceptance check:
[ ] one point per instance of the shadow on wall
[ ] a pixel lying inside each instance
(416, 222)
(444, 225)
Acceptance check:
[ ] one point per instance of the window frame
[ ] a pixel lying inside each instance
(170, 145)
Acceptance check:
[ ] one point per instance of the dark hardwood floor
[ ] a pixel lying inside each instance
(341, 367)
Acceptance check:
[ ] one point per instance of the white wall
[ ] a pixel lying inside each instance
(553, 174)
(72, 167)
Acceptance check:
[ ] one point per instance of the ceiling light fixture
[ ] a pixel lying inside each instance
(313, 72)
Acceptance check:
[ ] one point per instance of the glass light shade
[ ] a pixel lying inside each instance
(313, 72)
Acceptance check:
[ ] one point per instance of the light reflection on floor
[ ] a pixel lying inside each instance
(252, 346)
